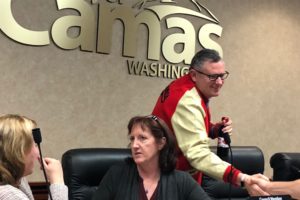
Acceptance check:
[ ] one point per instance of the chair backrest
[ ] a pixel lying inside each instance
(84, 168)
(286, 166)
(248, 159)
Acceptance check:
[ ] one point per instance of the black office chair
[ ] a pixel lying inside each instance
(286, 166)
(248, 159)
(84, 168)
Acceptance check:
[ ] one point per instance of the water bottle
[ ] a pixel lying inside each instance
(223, 143)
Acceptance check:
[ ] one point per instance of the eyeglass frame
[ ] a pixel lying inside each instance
(214, 77)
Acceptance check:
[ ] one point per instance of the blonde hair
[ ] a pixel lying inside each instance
(15, 141)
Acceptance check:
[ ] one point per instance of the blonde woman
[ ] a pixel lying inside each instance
(18, 153)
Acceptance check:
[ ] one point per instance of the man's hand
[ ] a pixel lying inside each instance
(254, 185)
(227, 123)
(262, 182)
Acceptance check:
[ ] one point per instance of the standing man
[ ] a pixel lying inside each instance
(183, 105)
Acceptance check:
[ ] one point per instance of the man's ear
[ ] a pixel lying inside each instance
(193, 74)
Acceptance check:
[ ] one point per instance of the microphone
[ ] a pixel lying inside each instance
(223, 144)
(224, 151)
(37, 137)
(225, 136)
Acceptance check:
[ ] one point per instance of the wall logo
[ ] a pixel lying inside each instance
(174, 31)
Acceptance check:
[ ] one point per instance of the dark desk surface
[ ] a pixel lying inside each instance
(39, 190)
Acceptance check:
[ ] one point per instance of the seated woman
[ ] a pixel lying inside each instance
(18, 153)
(150, 173)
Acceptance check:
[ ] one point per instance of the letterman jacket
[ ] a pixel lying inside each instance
(186, 112)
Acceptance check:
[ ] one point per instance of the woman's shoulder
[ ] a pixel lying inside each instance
(9, 192)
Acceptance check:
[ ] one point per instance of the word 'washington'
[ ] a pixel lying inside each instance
(156, 69)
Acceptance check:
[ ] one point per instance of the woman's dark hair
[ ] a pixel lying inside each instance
(159, 129)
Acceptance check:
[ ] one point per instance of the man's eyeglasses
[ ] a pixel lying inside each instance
(214, 77)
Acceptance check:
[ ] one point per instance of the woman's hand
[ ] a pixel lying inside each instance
(53, 170)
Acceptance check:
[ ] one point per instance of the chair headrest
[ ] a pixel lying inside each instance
(248, 159)
(286, 166)
(84, 168)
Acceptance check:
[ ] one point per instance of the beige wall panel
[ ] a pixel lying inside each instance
(85, 99)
